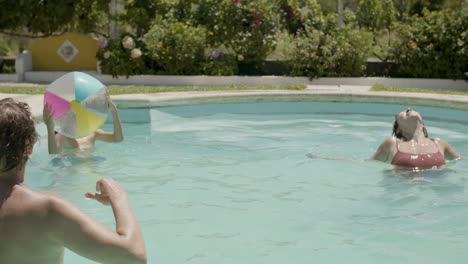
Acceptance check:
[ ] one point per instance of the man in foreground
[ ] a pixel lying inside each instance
(36, 226)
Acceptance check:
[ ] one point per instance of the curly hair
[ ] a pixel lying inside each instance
(17, 134)
(398, 133)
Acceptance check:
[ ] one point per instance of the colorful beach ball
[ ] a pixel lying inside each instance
(79, 102)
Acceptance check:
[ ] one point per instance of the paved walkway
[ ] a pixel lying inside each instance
(361, 88)
(19, 84)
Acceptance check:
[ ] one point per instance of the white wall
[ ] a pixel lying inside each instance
(7, 77)
(23, 64)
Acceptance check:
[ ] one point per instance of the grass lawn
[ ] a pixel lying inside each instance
(136, 89)
(383, 88)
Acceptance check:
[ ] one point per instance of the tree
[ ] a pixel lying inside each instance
(47, 17)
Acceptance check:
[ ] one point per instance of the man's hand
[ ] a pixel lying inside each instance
(109, 191)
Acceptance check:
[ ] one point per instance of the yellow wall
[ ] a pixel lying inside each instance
(45, 57)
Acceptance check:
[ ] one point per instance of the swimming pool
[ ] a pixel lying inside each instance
(231, 183)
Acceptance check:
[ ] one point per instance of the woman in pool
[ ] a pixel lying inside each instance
(410, 147)
(58, 141)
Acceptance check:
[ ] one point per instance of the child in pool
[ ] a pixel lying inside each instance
(57, 141)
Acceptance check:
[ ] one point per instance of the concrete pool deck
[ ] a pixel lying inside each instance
(318, 93)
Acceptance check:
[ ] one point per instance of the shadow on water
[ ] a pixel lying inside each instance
(65, 161)
(441, 181)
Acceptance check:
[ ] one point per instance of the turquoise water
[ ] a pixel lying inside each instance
(232, 184)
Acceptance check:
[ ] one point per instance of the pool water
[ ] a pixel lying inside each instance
(231, 183)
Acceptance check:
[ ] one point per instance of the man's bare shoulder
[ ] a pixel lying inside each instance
(25, 190)
(31, 201)
(53, 201)
(23, 200)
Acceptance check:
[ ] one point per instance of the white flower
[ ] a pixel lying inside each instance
(107, 54)
(136, 53)
(128, 42)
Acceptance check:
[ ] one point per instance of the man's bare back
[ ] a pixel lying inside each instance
(35, 226)
(25, 229)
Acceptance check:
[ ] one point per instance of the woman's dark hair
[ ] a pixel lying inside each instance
(398, 133)
(17, 133)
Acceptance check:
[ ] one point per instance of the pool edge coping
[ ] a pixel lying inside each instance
(350, 94)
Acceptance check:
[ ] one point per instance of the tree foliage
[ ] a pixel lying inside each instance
(376, 14)
(46, 17)
(412, 7)
(140, 14)
(296, 14)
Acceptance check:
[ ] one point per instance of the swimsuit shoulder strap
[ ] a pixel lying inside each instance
(396, 144)
(436, 142)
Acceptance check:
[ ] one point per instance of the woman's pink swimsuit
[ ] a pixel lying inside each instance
(419, 161)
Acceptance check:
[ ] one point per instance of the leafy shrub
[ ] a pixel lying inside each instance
(328, 52)
(122, 56)
(6, 68)
(9, 46)
(177, 47)
(245, 28)
(219, 64)
(433, 46)
(4, 48)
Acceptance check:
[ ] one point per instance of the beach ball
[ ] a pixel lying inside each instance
(79, 103)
